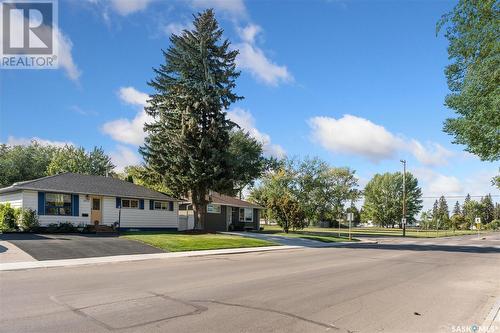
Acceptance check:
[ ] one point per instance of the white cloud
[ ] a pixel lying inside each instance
(436, 184)
(252, 59)
(13, 141)
(132, 96)
(235, 8)
(126, 7)
(354, 135)
(125, 130)
(247, 122)
(359, 136)
(65, 57)
(176, 28)
(124, 156)
(433, 155)
(249, 32)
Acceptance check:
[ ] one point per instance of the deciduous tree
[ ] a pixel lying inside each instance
(473, 31)
(384, 198)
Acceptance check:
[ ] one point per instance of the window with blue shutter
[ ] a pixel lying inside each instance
(141, 203)
(171, 206)
(76, 205)
(41, 203)
(118, 202)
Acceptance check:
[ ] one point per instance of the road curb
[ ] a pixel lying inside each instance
(14, 266)
(492, 322)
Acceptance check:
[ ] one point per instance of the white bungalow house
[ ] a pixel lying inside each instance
(95, 200)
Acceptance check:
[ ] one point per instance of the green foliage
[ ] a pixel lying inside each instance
(28, 220)
(356, 214)
(384, 199)
(20, 163)
(440, 213)
(281, 197)
(64, 227)
(77, 160)
(493, 225)
(188, 142)
(247, 162)
(141, 175)
(487, 209)
(8, 217)
(473, 29)
(324, 190)
(313, 190)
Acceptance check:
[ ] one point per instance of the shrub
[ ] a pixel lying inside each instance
(493, 225)
(52, 228)
(28, 220)
(8, 217)
(66, 227)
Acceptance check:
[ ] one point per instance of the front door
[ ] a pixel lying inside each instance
(95, 210)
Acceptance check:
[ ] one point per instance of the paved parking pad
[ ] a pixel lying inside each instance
(72, 246)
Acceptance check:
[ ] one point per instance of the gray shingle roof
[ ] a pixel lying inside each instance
(222, 199)
(86, 184)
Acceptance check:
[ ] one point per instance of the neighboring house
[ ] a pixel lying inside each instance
(83, 199)
(224, 213)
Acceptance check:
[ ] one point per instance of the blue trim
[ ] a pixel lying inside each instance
(141, 203)
(147, 229)
(151, 204)
(118, 202)
(41, 203)
(75, 202)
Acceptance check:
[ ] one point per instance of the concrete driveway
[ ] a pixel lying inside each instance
(72, 246)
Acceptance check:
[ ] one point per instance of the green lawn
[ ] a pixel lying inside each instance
(178, 241)
(396, 232)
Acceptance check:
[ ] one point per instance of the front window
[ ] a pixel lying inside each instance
(246, 214)
(161, 205)
(130, 203)
(57, 204)
(213, 209)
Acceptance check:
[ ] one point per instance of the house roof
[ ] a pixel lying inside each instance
(87, 184)
(226, 200)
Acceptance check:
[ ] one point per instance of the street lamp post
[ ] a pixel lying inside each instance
(404, 197)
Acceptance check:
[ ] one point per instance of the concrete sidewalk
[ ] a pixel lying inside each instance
(295, 241)
(13, 266)
(10, 253)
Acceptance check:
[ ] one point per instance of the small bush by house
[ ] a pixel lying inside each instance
(8, 218)
(28, 220)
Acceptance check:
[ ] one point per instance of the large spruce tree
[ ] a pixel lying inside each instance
(188, 141)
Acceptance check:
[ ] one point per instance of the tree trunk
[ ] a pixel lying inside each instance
(199, 209)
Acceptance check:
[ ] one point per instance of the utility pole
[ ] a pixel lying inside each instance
(404, 197)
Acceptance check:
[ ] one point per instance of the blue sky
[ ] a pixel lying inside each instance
(357, 83)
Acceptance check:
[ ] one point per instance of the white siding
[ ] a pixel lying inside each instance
(139, 218)
(30, 200)
(14, 198)
(130, 218)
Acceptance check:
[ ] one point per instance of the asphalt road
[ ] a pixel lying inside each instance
(396, 286)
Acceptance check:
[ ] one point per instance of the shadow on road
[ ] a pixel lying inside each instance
(417, 247)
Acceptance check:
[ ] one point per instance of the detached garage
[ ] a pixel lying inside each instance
(95, 200)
